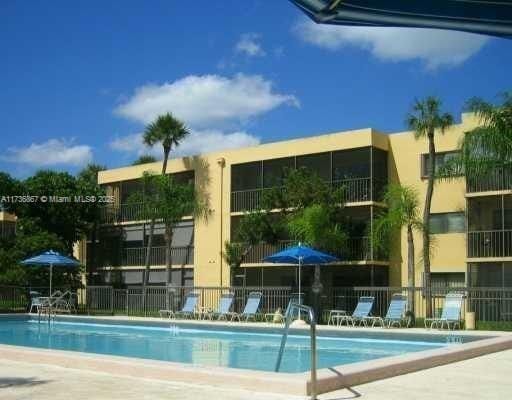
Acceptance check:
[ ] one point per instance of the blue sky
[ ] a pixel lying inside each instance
(79, 80)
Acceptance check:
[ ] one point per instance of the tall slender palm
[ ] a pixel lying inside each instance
(425, 119)
(170, 132)
(170, 202)
(403, 211)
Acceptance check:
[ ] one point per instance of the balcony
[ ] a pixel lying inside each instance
(497, 180)
(136, 256)
(487, 244)
(358, 249)
(7, 229)
(356, 190)
(113, 214)
(246, 200)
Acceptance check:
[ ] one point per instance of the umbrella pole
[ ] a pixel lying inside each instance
(300, 294)
(50, 297)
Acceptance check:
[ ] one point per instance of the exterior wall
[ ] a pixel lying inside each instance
(449, 252)
(213, 180)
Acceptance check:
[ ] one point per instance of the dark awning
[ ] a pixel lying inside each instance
(490, 17)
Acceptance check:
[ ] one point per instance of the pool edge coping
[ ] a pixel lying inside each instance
(329, 379)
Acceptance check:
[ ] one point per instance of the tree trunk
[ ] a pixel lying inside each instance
(148, 253)
(410, 270)
(168, 255)
(166, 157)
(93, 265)
(426, 223)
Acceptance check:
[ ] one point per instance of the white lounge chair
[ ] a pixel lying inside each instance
(451, 314)
(360, 314)
(225, 303)
(251, 308)
(188, 310)
(395, 314)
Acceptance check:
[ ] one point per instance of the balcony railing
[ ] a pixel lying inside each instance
(260, 251)
(485, 244)
(122, 213)
(497, 180)
(136, 256)
(357, 249)
(355, 190)
(246, 200)
(7, 229)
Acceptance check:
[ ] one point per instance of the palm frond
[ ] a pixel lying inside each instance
(167, 130)
(426, 117)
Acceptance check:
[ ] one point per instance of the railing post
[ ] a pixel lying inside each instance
(112, 300)
(312, 324)
(144, 300)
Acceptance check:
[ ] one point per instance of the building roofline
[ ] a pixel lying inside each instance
(174, 163)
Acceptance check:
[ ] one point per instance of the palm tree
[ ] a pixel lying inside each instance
(487, 148)
(425, 119)
(403, 211)
(171, 201)
(168, 131)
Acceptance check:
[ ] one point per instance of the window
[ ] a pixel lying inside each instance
(380, 172)
(185, 177)
(349, 164)
(441, 160)
(320, 164)
(447, 279)
(133, 236)
(274, 171)
(447, 223)
(246, 176)
(128, 188)
(491, 274)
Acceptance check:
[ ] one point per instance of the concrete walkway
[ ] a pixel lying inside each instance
(487, 377)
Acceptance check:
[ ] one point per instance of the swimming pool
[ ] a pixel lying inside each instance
(246, 347)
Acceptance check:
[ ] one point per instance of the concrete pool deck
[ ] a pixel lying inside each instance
(486, 377)
(297, 384)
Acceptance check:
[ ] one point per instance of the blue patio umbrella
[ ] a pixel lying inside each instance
(51, 258)
(300, 255)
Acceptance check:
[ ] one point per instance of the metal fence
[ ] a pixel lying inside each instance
(488, 304)
(136, 301)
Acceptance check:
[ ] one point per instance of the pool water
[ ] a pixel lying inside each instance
(235, 349)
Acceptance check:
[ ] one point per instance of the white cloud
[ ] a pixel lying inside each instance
(434, 47)
(50, 153)
(207, 101)
(198, 142)
(249, 45)
(128, 144)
